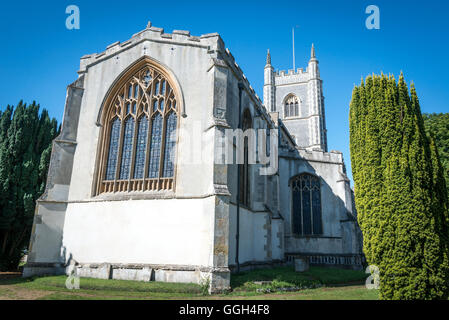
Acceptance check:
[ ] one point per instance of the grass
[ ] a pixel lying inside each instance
(326, 293)
(276, 283)
(286, 278)
(111, 289)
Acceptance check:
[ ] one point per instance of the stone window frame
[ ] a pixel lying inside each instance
(291, 102)
(292, 215)
(115, 106)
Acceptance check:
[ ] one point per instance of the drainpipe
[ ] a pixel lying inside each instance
(237, 234)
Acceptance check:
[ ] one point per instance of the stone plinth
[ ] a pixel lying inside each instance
(301, 264)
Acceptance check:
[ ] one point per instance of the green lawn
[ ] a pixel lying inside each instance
(277, 283)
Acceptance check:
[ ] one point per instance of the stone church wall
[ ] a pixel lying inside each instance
(180, 234)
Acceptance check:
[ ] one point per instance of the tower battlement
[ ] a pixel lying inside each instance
(289, 72)
(283, 77)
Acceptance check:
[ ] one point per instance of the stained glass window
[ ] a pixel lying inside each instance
(139, 133)
(142, 133)
(155, 147)
(113, 150)
(306, 205)
(127, 149)
(170, 142)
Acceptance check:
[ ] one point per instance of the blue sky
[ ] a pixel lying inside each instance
(39, 56)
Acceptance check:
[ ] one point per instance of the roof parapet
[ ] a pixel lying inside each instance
(210, 41)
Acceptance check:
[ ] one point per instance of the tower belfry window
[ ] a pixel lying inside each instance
(291, 106)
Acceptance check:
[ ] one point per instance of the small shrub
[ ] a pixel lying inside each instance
(204, 285)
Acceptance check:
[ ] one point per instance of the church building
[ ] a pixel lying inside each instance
(123, 199)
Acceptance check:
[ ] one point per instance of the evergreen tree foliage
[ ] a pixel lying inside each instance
(437, 126)
(25, 147)
(400, 191)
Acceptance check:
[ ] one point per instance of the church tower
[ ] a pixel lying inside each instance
(298, 97)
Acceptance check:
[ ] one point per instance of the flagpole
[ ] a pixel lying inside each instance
(293, 45)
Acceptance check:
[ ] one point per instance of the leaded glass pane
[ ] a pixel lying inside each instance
(142, 132)
(127, 150)
(306, 212)
(130, 91)
(155, 147)
(156, 89)
(268, 142)
(305, 182)
(170, 142)
(162, 105)
(163, 87)
(147, 78)
(136, 91)
(154, 105)
(315, 183)
(316, 212)
(113, 150)
(297, 220)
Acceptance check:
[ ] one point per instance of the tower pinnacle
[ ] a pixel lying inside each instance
(268, 57)
(312, 53)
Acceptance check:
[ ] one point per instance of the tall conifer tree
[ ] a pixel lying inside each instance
(25, 146)
(400, 192)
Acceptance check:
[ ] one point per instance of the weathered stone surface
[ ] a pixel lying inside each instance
(301, 264)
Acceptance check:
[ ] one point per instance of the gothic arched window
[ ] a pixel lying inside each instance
(140, 121)
(244, 178)
(306, 205)
(291, 106)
